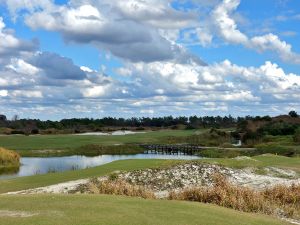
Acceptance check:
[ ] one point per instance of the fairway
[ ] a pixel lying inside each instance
(42, 142)
(116, 210)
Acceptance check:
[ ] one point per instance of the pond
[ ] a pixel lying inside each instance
(32, 166)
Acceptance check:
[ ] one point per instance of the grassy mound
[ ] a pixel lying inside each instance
(9, 158)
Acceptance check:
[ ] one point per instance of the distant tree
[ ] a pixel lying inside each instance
(3, 118)
(293, 114)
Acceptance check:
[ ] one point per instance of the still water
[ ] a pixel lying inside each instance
(32, 166)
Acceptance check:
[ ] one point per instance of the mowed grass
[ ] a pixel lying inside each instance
(115, 210)
(42, 142)
(260, 161)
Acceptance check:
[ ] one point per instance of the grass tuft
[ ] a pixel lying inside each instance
(116, 187)
(279, 200)
(9, 158)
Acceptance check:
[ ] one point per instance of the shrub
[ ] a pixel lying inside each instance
(297, 136)
(221, 153)
(9, 158)
(278, 128)
(277, 149)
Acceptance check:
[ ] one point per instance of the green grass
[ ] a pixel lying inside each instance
(86, 150)
(22, 183)
(41, 142)
(115, 210)
(258, 162)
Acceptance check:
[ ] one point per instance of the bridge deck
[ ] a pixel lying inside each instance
(171, 149)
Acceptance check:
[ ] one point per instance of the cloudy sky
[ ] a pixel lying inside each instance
(95, 58)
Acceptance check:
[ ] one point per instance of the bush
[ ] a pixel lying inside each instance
(9, 158)
(277, 149)
(17, 132)
(278, 128)
(297, 136)
(35, 131)
(221, 153)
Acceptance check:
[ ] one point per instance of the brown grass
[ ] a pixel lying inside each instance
(117, 187)
(282, 200)
(9, 158)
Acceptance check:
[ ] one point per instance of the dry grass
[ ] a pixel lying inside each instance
(279, 200)
(9, 158)
(116, 187)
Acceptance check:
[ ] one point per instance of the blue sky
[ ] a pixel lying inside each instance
(149, 58)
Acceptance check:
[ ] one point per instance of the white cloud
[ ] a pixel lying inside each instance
(26, 94)
(226, 28)
(93, 92)
(3, 93)
(225, 25)
(159, 75)
(10, 45)
(20, 66)
(135, 30)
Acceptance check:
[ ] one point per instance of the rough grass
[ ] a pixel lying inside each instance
(9, 158)
(118, 210)
(116, 187)
(280, 200)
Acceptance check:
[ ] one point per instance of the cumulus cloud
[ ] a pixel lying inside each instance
(227, 28)
(10, 45)
(57, 67)
(135, 30)
(159, 76)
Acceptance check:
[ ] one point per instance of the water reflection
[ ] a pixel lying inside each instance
(32, 166)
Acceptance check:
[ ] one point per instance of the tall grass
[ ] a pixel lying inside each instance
(116, 187)
(278, 200)
(9, 158)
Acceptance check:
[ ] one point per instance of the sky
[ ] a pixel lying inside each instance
(96, 58)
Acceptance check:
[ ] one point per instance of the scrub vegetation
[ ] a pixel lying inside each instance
(9, 158)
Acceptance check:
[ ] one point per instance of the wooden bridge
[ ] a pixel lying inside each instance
(171, 149)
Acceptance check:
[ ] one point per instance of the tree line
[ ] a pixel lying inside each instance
(192, 122)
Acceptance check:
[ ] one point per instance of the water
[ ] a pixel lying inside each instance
(32, 166)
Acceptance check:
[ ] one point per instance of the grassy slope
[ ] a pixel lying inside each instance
(114, 210)
(40, 142)
(127, 165)
(54, 178)
(260, 162)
